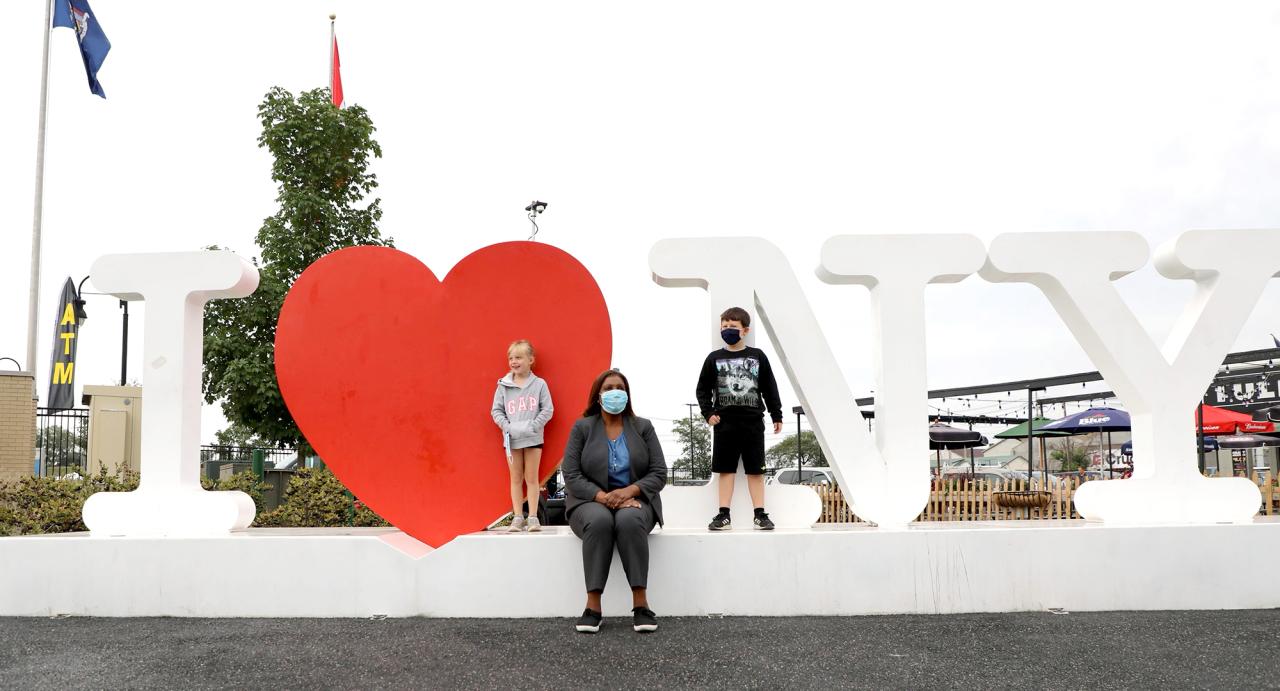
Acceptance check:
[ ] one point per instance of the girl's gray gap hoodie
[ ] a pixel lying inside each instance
(522, 412)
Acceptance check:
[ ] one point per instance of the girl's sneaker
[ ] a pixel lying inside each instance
(517, 524)
(533, 525)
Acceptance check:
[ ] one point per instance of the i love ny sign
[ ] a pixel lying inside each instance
(388, 372)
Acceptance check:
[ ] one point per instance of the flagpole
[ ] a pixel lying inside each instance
(332, 18)
(33, 304)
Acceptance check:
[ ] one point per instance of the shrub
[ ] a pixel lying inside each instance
(36, 505)
(245, 482)
(315, 498)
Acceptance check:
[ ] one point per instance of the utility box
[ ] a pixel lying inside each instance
(115, 428)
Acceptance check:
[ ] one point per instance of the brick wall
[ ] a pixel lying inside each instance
(17, 425)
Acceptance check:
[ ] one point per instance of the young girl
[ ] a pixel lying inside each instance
(522, 407)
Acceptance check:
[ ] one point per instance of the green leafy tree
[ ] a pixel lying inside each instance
(783, 454)
(239, 435)
(695, 448)
(322, 156)
(1070, 453)
(63, 449)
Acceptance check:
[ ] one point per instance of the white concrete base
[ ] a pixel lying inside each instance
(927, 568)
(193, 512)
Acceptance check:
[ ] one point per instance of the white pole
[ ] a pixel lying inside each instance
(33, 305)
(332, 18)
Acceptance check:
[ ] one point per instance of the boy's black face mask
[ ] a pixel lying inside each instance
(731, 336)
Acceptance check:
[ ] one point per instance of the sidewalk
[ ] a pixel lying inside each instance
(1216, 649)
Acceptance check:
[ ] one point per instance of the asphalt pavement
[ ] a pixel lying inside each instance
(1216, 649)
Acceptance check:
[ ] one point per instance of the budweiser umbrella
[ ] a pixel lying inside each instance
(1215, 420)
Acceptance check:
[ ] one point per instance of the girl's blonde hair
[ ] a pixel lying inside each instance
(522, 343)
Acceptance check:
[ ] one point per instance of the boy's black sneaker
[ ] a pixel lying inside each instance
(720, 522)
(643, 620)
(589, 622)
(762, 521)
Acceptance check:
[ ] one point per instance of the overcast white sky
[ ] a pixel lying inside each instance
(637, 121)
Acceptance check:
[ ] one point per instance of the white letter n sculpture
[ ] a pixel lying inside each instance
(885, 483)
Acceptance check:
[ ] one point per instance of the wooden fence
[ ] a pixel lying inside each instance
(965, 500)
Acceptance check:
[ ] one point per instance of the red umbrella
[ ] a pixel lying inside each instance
(1217, 420)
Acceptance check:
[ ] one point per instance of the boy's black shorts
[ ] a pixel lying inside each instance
(735, 438)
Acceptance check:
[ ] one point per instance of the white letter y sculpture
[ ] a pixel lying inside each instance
(1159, 387)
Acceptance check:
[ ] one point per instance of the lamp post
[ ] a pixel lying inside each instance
(1031, 443)
(798, 410)
(692, 439)
(124, 336)
(1200, 433)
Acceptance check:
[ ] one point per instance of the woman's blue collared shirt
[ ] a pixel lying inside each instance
(619, 462)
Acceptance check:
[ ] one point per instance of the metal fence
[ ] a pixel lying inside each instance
(217, 454)
(62, 441)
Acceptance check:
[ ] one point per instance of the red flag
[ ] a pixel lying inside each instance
(335, 76)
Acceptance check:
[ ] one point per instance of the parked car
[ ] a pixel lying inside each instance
(551, 501)
(820, 476)
(989, 475)
(999, 476)
(1088, 474)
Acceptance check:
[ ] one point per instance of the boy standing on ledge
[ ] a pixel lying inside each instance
(734, 387)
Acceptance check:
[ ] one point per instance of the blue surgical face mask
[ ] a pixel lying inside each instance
(731, 336)
(614, 401)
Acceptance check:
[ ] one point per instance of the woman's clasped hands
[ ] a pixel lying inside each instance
(621, 498)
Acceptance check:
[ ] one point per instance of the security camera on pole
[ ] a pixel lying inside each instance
(535, 208)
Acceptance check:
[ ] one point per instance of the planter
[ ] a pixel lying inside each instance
(1026, 499)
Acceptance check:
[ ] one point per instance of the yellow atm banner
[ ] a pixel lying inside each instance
(62, 368)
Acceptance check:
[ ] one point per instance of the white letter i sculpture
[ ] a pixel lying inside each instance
(169, 500)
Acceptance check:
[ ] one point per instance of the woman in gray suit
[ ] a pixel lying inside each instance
(613, 472)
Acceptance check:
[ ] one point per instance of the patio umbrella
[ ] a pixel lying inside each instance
(1101, 419)
(1020, 431)
(947, 437)
(1247, 441)
(1215, 420)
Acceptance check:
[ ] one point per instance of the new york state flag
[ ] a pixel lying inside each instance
(75, 14)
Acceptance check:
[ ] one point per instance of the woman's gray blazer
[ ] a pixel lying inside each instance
(586, 462)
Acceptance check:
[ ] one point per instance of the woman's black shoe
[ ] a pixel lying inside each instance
(590, 621)
(644, 619)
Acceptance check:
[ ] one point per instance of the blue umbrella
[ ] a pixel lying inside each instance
(1098, 420)
(1092, 420)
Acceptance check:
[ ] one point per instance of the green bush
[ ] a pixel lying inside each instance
(245, 482)
(36, 505)
(315, 498)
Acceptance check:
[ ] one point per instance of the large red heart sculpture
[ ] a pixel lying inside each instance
(390, 373)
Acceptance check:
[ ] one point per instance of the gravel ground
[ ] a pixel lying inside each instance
(1218, 649)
